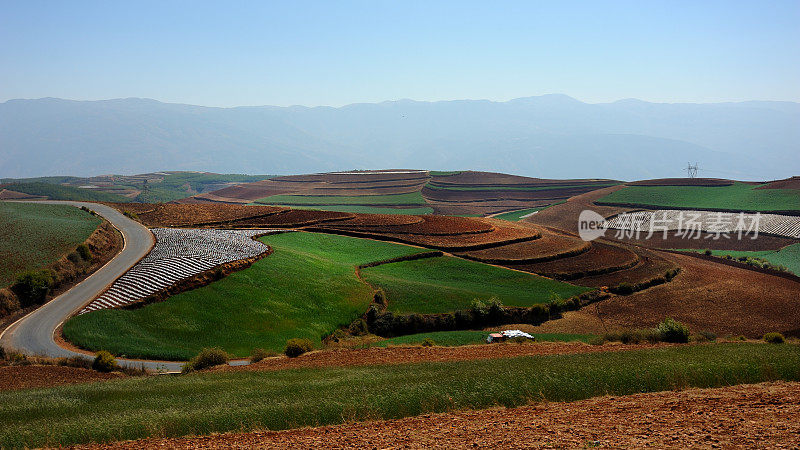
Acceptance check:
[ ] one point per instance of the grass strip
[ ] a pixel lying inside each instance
(441, 285)
(239, 401)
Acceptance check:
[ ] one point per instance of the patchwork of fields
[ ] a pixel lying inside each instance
(306, 288)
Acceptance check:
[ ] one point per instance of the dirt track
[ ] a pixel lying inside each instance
(29, 377)
(761, 415)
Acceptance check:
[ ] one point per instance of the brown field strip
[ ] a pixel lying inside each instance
(682, 182)
(182, 215)
(650, 266)
(742, 416)
(601, 258)
(706, 295)
(34, 376)
(548, 247)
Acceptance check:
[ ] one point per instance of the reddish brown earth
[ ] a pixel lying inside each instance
(758, 415)
(551, 245)
(789, 183)
(565, 215)
(182, 215)
(673, 241)
(708, 296)
(5, 194)
(29, 377)
(600, 258)
(338, 357)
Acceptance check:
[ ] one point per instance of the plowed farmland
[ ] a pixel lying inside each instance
(447, 193)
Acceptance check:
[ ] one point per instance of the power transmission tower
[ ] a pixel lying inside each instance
(691, 170)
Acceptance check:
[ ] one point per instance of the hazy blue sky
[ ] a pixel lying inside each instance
(334, 53)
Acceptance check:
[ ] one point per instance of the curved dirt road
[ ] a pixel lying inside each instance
(34, 333)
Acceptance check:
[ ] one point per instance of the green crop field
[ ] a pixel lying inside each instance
(367, 209)
(736, 197)
(471, 337)
(239, 401)
(411, 198)
(445, 284)
(33, 235)
(788, 256)
(59, 192)
(306, 288)
(516, 216)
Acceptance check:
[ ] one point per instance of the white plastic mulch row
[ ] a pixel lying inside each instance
(178, 254)
(708, 221)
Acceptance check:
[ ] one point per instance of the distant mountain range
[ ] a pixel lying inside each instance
(551, 136)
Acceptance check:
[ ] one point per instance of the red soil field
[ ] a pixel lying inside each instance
(379, 220)
(292, 218)
(353, 178)
(789, 183)
(450, 195)
(743, 416)
(707, 295)
(33, 376)
(565, 215)
(183, 215)
(682, 182)
(601, 258)
(548, 247)
(650, 265)
(476, 178)
(433, 226)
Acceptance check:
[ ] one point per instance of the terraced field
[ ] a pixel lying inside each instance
(734, 197)
(788, 256)
(33, 236)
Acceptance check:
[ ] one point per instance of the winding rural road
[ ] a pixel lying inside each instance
(34, 334)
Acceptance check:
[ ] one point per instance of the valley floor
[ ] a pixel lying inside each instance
(736, 416)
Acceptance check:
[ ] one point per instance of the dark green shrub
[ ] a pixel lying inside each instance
(84, 252)
(259, 354)
(673, 331)
(104, 362)
(208, 357)
(74, 258)
(707, 252)
(774, 338)
(2, 353)
(297, 346)
(428, 342)
(379, 297)
(358, 328)
(32, 287)
(130, 215)
(623, 288)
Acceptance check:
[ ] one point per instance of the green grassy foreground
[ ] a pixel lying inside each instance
(306, 288)
(736, 197)
(33, 236)
(239, 401)
(788, 256)
(411, 198)
(471, 337)
(440, 285)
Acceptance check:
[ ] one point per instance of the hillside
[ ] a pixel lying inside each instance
(554, 136)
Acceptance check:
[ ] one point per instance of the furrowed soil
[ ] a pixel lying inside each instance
(30, 377)
(706, 295)
(754, 415)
